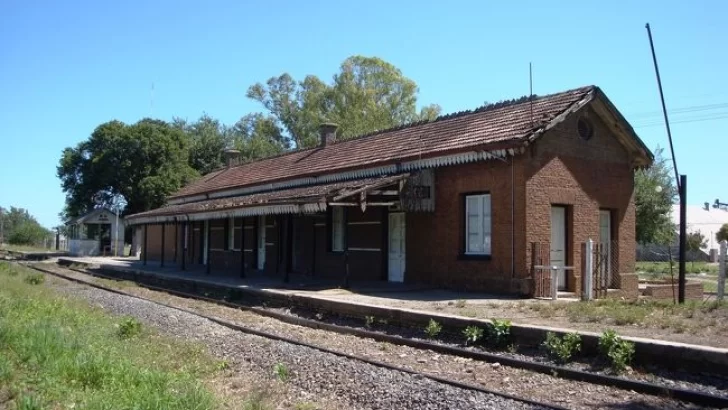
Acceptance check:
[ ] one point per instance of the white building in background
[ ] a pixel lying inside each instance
(97, 233)
(705, 219)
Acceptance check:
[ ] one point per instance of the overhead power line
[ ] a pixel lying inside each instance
(689, 109)
(716, 117)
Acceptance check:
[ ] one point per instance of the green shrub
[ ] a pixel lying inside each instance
(472, 334)
(433, 329)
(129, 327)
(499, 333)
(222, 365)
(258, 400)
(561, 349)
(280, 371)
(29, 403)
(618, 351)
(369, 321)
(35, 279)
(460, 303)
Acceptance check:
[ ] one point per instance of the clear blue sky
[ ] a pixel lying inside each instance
(66, 67)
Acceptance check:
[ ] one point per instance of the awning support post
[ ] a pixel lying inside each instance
(242, 246)
(164, 224)
(146, 247)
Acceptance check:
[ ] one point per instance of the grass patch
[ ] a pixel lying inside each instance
(659, 269)
(35, 279)
(659, 314)
(26, 248)
(61, 353)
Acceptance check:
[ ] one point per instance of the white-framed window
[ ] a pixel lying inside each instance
(477, 224)
(337, 229)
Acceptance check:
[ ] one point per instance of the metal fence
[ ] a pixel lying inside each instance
(722, 267)
(599, 268)
(599, 264)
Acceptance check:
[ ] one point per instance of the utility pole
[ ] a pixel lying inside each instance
(680, 180)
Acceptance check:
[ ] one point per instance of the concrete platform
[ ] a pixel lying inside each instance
(368, 302)
(358, 291)
(33, 255)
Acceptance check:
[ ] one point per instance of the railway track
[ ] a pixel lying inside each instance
(674, 393)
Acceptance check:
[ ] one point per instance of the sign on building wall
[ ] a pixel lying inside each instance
(418, 193)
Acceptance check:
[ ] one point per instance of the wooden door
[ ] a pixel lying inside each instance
(397, 247)
(558, 243)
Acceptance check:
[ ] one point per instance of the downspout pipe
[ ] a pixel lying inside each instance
(513, 218)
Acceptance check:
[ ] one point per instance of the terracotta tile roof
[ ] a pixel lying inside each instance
(310, 194)
(489, 125)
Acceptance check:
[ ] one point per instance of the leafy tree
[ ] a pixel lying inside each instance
(143, 162)
(366, 95)
(258, 136)
(694, 242)
(20, 228)
(655, 193)
(208, 140)
(722, 234)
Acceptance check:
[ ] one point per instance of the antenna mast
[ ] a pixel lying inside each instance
(151, 100)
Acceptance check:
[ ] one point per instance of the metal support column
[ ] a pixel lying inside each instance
(146, 248)
(176, 241)
(184, 245)
(588, 270)
(164, 225)
(242, 246)
(722, 265)
(683, 234)
(289, 248)
(207, 250)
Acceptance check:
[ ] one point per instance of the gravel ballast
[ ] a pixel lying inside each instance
(535, 386)
(315, 374)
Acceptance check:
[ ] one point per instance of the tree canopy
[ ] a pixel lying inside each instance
(149, 160)
(21, 228)
(655, 194)
(366, 95)
(694, 241)
(722, 234)
(143, 162)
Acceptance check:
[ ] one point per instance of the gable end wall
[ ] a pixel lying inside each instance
(586, 176)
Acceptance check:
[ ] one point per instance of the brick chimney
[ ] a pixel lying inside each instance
(328, 133)
(232, 157)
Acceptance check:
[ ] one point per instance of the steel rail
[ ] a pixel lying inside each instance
(271, 336)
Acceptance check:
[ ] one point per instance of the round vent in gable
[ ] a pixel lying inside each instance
(585, 128)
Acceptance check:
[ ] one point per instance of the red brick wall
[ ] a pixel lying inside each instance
(435, 240)
(586, 176)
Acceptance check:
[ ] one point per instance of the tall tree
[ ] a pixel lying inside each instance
(208, 139)
(722, 234)
(258, 136)
(143, 162)
(655, 194)
(366, 95)
(21, 228)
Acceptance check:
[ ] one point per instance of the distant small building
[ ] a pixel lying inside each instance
(93, 234)
(706, 219)
(703, 219)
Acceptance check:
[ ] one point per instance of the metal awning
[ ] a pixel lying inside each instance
(306, 200)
